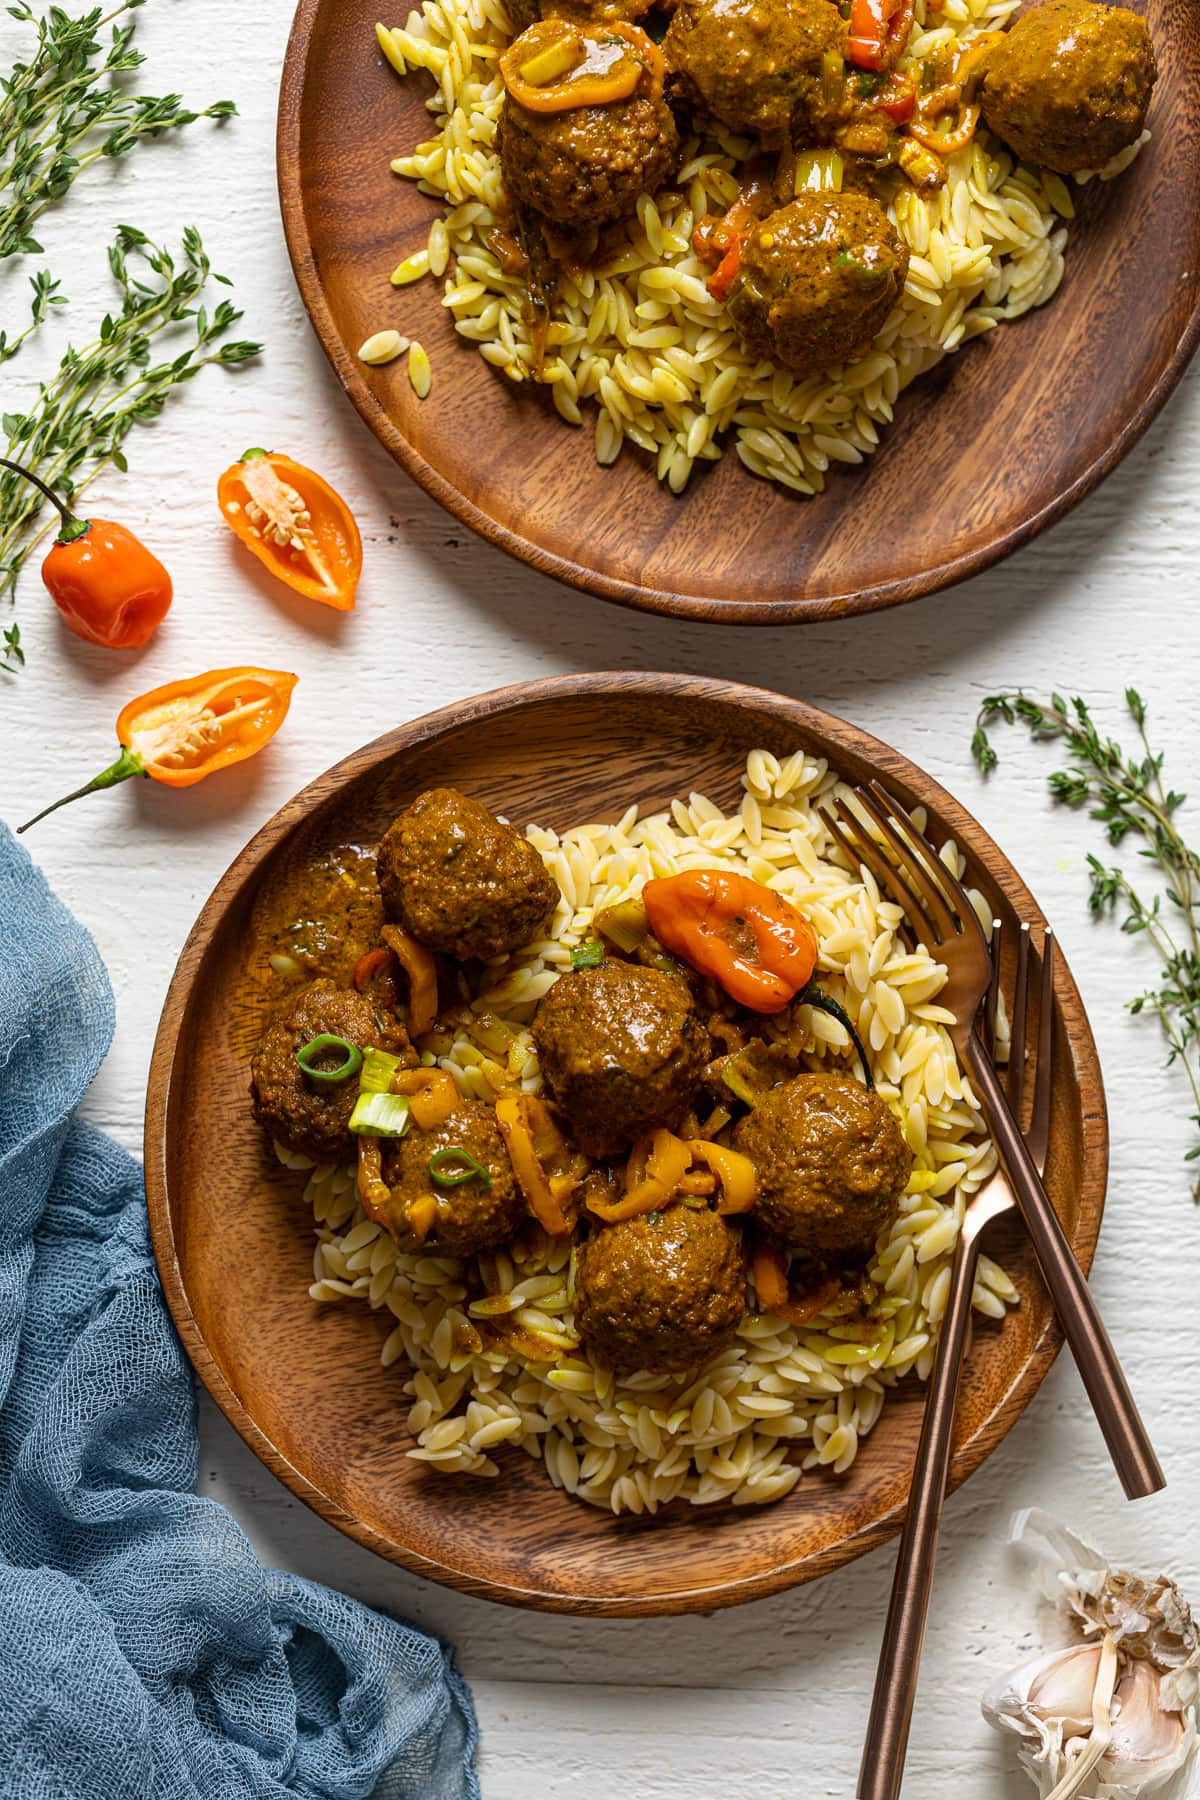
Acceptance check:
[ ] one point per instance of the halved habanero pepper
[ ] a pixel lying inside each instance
(294, 522)
(744, 935)
(180, 733)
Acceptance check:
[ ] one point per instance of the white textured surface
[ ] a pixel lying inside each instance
(768, 1700)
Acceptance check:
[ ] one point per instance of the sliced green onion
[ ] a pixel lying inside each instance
(468, 1170)
(819, 172)
(588, 955)
(380, 1115)
(325, 1041)
(377, 1071)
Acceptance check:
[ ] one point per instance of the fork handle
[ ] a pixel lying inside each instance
(1114, 1405)
(882, 1769)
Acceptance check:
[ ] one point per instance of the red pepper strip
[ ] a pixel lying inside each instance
(296, 524)
(746, 936)
(180, 733)
(879, 31)
(108, 587)
(898, 99)
(374, 964)
(725, 273)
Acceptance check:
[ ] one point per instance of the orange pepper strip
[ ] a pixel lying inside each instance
(373, 1190)
(180, 733)
(422, 1216)
(418, 964)
(433, 1095)
(656, 1167)
(293, 521)
(771, 1286)
(746, 936)
(735, 1172)
(598, 78)
(517, 1118)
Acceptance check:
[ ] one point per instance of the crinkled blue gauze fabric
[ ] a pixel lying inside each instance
(144, 1651)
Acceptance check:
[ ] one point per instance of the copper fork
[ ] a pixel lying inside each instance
(882, 1769)
(940, 914)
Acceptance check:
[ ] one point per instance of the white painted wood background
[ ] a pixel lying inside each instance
(769, 1700)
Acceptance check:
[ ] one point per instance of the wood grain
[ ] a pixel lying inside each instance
(301, 1383)
(993, 446)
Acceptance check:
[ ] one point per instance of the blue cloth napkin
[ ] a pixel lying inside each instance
(145, 1654)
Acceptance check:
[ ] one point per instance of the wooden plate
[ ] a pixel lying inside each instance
(994, 445)
(302, 1382)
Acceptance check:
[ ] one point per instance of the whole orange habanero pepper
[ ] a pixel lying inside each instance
(108, 587)
(180, 733)
(294, 522)
(744, 935)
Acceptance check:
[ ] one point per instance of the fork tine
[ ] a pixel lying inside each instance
(1019, 1050)
(991, 1005)
(880, 807)
(1039, 1124)
(861, 847)
(940, 870)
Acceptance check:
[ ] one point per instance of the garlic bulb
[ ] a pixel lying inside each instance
(1112, 1715)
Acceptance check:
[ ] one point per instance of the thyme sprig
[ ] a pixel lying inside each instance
(82, 416)
(67, 108)
(1128, 796)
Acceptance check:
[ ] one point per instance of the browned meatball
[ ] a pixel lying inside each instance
(1069, 85)
(664, 1290)
(460, 881)
(621, 1050)
(831, 1163)
(817, 281)
(525, 13)
(755, 66)
(588, 165)
(471, 1215)
(302, 1114)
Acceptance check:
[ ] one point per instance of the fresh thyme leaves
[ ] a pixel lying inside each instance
(1129, 798)
(65, 109)
(45, 295)
(82, 416)
(14, 656)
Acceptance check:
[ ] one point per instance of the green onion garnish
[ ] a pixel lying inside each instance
(468, 1169)
(588, 955)
(380, 1115)
(377, 1071)
(350, 1064)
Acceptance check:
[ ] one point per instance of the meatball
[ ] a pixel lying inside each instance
(313, 1117)
(621, 1050)
(588, 165)
(831, 1163)
(525, 13)
(460, 881)
(663, 1290)
(471, 1215)
(755, 67)
(817, 281)
(1069, 85)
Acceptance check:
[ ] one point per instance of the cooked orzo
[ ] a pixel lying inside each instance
(492, 1357)
(638, 349)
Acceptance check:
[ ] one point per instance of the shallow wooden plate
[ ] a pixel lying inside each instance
(302, 1382)
(997, 443)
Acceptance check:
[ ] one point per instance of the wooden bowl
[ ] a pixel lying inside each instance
(995, 444)
(302, 1383)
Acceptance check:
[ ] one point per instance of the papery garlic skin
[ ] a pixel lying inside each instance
(1051, 1704)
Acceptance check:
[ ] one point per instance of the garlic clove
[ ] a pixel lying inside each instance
(1143, 1732)
(1061, 1691)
